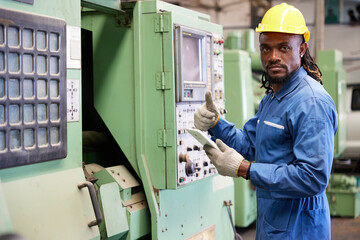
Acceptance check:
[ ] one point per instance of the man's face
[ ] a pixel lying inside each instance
(281, 55)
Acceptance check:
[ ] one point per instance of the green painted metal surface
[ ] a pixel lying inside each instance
(334, 79)
(114, 213)
(245, 203)
(234, 40)
(238, 87)
(240, 108)
(141, 117)
(256, 64)
(249, 46)
(73, 158)
(249, 41)
(64, 9)
(33, 192)
(50, 206)
(110, 6)
(126, 96)
(139, 222)
(126, 214)
(196, 207)
(343, 194)
(344, 203)
(5, 221)
(113, 79)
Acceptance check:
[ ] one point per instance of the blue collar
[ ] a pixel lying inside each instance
(291, 83)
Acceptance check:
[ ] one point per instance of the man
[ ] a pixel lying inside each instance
(290, 139)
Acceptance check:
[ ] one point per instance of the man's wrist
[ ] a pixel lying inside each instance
(244, 169)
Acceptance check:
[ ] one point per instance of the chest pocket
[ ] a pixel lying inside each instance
(273, 132)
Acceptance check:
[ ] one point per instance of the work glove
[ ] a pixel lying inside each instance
(227, 161)
(207, 115)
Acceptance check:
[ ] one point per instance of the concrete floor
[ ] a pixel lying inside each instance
(247, 233)
(341, 229)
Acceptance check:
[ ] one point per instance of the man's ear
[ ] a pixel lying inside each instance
(303, 48)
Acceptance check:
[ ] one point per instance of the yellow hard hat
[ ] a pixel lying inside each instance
(284, 18)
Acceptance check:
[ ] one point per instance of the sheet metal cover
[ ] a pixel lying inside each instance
(123, 177)
(114, 213)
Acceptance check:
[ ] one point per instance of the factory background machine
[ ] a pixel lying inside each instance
(343, 191)
(123, 110)
(240, 61)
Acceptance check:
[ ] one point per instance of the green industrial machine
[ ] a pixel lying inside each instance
(330, 63)
(43, 191)
(240, 108)
(243, 71)
(343, 191)
(256, 66)
(343, 194)
(149, 67)
(152, 64)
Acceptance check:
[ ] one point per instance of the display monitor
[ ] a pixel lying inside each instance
(191, 59)
(193, 63)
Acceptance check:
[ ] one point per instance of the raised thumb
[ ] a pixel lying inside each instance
(222, 146)
(209, 102)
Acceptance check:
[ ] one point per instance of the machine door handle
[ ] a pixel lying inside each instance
(94, 202)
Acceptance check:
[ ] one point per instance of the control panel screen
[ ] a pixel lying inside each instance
(191, 58)
(192, 63)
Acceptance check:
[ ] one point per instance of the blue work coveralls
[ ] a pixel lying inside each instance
(291, 140)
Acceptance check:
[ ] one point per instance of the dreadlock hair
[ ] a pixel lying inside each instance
(311, 67)
(265, 83)
(307, 62)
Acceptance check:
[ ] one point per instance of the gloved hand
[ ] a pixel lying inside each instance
(227, 161)
(207, 115)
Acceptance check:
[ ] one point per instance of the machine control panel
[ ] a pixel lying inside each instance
(218, 73)
(192, 161)
(193, 164)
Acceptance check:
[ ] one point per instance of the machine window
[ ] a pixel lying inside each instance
(355, 101)
(32, 89)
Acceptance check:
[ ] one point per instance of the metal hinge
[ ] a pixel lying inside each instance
(165, 137)
(162, 23)
(163, 80)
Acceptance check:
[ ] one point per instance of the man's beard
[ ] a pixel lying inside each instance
(281, 80)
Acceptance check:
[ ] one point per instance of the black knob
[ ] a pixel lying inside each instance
(190, 168)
